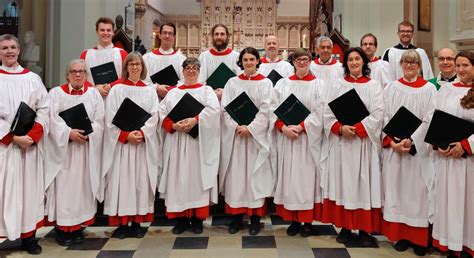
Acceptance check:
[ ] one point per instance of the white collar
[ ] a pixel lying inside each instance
(106, 47)
(16, 69)
(166, 52)
(72, 88)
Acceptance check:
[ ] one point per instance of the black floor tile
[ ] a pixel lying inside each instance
(162, 221)
(116, 254)
(277, 220)
(354, 242)
(330, 253)
(258, 242)
(89, 244)
(191, 243)
(323, 230)
(221, 220)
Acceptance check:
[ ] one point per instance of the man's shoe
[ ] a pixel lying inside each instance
(78, 236)
(30, 245)
(420, 250)
(293, 229)
(465, 254)
(196, 225)
(402, 245)
(343, 236)
(136, 230)
(306, 230)
(121, 232)
(183, 225)
(236, 224)
(254, 227)
(365, 238)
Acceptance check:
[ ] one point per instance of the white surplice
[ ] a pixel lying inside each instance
(284, 68)
(158, 60)
(380, 71)
(211, 59)
(395, 54)
(100, 55)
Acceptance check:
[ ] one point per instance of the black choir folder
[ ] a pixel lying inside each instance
(402, 125)
(187, 107)
(220, 76)
(292, 111)
(76, 118)
(445, 129)
(242, 109)
(130, 116)
(349, 108)
(24, 120)
(104, 73)
(274, 76)
(166, 76)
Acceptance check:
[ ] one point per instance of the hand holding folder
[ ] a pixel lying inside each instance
(292, 111)
(274, 76)
(130, 116)
(167, 76)
(76, 118)
(23, 121)
(187, 107)
(349, 108)
(402, 125)
(220, 76)
(242, 109)
(104, 73)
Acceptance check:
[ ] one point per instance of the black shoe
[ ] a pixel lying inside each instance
(136, 230)
(181, 226)
(293, 229)
(306, 230)
(64, 238)
(402, 245)
(254, 228)
(236, 224)
(451, 256)
(78, 236)
(196, 225)
(365, 238)
(121, 232)
(30, 245)
(420, 250)
(465, 254)
(343, 236)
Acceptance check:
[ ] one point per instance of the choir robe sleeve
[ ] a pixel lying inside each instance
(373, 123)
(426, 66)
(273, 130)
(328, 116)
(4, 124)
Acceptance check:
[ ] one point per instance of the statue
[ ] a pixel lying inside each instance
(11, 9)
(31, 54)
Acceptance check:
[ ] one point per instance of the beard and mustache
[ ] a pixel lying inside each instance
(220, 45)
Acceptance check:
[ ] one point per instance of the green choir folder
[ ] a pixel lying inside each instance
(220, 76)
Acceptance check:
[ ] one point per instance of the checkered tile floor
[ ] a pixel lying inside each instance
(213, 242)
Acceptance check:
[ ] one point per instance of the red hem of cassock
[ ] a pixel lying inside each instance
(444, 248)
(367, 220)
(397, 231)
(75, 227)
(39, 225)
(200, 213)
(305, 216)
(124, 220)
(261, 211)
(318, 212)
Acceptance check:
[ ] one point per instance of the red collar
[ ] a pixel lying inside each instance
(460, 84)
(185, 87)
(140, 83)
(375, 59)
(157, 52)
(362, 79)
(308, 77)
(265, 60)
(65, 87)
(333, 61)
(257, 77)
(22, 72)
(420, 82)
(226, 52)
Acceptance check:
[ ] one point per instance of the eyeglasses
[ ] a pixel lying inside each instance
(448, 59)
(302, 60)
(134, 64)
(77, 71)
(410, 63)
(191, 68)
(405, 31)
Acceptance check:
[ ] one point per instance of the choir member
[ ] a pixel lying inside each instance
(219, 53)
(453, 223)
(351, 168)
(21, 157)
(271, 61)
(447, 71)
(189, 180)
(73, 167)
(245, 177)
(379, 69)
(296, 149)
(406, 181)
(131, 159)
(326, 67)
(164, 56)
(392, 55)
(104, 52)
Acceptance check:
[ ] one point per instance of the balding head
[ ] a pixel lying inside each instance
(446, 62)
(271, 46)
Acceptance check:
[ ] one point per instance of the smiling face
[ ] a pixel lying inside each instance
(464, 69)
(105, 32)
(325, 50)
(446, 61)
(405, 33)
(355, 63)
(249, 62)
(410, 68)
(167, 37)
(191, 73)
(9, 51)
(220, 38)
(271, 46)
(134, 68)
(302, 64)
